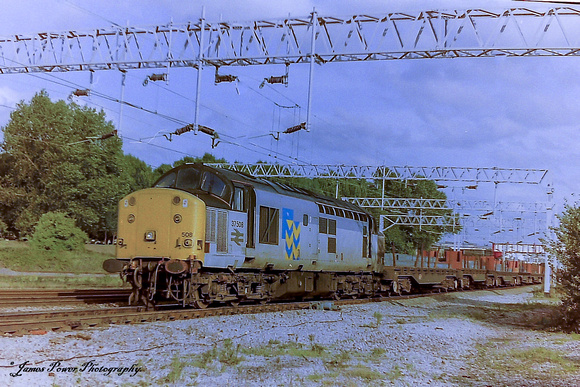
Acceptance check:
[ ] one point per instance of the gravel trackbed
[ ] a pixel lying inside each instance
(482, 338)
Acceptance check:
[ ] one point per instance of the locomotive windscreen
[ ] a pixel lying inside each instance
(192, 179)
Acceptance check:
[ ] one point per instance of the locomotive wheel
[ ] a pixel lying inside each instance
(234, 303)
(201, 304)
(134, 297)
(147, 302)
(395, 288)
(137, 278)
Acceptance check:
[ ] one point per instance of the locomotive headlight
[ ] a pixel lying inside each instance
(150, 236)
(188, 243)
(177, 218)
(131, 218)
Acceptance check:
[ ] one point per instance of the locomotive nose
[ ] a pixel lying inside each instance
(160, 223)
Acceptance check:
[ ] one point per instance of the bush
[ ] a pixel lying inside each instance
(57, 232)
(3, 228)
(566, 249)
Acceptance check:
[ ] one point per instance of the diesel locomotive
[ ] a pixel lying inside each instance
(203, 235)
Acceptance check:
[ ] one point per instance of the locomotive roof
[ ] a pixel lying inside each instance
(280, 188)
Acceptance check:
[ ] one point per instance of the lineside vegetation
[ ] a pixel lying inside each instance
(565, 247)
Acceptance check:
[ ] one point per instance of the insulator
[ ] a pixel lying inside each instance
(281, 79)
(225, 78)
(206, 130)
(295, 128)
(186, 128)
(155, 78)
(81, 92)
(108, 135)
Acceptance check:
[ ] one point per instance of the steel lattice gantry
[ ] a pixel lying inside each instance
(407, 211)
(449, 204)
(440, 174)
(522, 31)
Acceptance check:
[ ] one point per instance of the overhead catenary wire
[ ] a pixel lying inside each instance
(75, 86)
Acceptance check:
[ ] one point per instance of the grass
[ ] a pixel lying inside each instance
(226, 354)
(395, 373)
(291, 348)
(175, 370)
(53, 282)
(26, 259)
(530, 315)
(555, 293)
(19, 257)
(342, 366)
(504, 365)
(530, 358)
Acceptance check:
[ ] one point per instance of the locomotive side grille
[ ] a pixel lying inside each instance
(216, 229)
(210, 226)
(222, 232)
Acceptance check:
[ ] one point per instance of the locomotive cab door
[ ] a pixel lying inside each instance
(226, 233)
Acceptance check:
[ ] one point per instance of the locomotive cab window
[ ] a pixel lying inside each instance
(238, 200)
(212, 184)
(268, 225)
(167, 182)
(188, 179)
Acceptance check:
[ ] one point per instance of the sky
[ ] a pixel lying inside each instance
(490, 112)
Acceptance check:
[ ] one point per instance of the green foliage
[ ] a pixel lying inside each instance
(137, 173)
(176, 369)
(274, 348)
(206, 158)
(19, 256)
(56, 232)
(53, 160)
(566, 248)
(227, 354)
(3, 228)
(379, 317)
(59, 282)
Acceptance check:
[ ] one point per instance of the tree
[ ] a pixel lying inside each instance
(61, 157)
(206, 158)
(3, 228)
(565, 247)
(137, 173)
(56, 232)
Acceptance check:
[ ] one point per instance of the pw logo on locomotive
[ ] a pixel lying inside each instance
(291, 234)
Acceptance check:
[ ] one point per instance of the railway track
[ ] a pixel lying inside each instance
(22, 323)
(39, 297)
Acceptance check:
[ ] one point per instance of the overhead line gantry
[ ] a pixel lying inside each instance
(473, 33)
